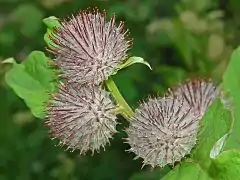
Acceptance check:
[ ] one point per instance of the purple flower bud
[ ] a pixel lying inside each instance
(198, 94)
(81, 118)
(88, 48)
(164, 130)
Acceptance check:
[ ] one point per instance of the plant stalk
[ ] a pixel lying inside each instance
(127, 111)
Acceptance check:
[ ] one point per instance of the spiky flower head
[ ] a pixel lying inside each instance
(81, 118)
(164, 130)
(88, 47)
(198, 94)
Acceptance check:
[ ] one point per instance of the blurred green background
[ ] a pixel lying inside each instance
(179, 38)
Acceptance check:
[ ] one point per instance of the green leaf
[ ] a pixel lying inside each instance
(9, 61)
(37, 65)
(215, 124)
(31, 81)
(231, 84)
(187, 171)
(226, 166)
(47, 38)
(218, 146)
(51, 22)
(130, 61)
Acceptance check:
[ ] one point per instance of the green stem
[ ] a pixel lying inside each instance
(127, 111)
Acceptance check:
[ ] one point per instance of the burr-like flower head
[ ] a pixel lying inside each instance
(82, 118)
(88, 48)
(198, 94)
(162, 131)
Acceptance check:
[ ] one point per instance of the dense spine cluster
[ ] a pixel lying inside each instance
(198, 94)
(87, 49)
(164, 129)
(82, 119)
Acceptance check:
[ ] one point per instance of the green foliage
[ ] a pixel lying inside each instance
(215, 123)
(51, 23)
(226, 166)
(130, 61)
(187, 170)
(32, 80)
(231, 84)
(218, 146)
